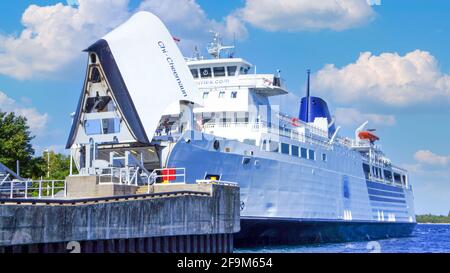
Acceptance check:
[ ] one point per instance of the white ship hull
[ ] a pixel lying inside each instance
(281, 193)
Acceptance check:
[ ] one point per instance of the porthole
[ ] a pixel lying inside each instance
(216, 145)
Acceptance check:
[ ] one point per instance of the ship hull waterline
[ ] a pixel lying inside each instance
(273, 232)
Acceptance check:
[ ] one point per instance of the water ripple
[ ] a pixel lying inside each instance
(426, 238)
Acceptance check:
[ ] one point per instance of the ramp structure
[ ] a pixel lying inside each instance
(138, 93)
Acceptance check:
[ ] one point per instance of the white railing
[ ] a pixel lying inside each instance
(179, 173)
(158, 174)
(293, 134)
(33, 189)
(122, 176)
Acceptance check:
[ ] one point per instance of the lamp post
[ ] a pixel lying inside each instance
(48, 162)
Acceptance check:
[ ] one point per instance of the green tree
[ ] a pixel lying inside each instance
(429, 218)
(15, 144)
(58, 167)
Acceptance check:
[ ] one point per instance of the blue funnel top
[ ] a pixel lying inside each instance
(318, 108)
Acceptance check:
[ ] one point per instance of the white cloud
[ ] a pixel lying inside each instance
(37, 121)
(54, 36)
(388, 79)
(428, 157)
(353, 117)
(188, 21)
(298, 15)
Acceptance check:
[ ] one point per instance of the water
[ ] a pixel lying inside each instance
(426, 238)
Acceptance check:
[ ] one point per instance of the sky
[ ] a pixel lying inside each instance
(385, 61)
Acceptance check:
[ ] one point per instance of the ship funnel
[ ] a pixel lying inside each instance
(315, 107)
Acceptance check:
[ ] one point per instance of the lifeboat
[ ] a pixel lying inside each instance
(366, 135)
(295, 122)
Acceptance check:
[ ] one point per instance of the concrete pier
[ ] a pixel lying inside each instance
(180, 218)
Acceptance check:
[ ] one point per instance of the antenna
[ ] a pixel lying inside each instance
(216, 47)
(234, 45)
(196, 55)
(308, 95)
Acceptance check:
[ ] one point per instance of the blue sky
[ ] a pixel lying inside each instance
(387, 63)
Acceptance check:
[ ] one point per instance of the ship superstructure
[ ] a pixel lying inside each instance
(293, 170)
(212, 119)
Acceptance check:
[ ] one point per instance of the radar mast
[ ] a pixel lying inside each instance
(216, 47)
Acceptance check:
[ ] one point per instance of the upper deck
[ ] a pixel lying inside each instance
(235, 73)
(231, 72)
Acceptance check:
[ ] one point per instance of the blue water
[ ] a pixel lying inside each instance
(426, 238)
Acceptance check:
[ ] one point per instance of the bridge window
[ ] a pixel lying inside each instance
(234, 94)
(376, 172)
(311, 155)
(284, 148)
(244, 70)
(366, 169)
(294, 150)
(221, 94)
(397, 178)
(205, 72)
(231, 70)
(304, 153)
(387, 175)
(324, 157)
(219, 71)
(194, 73)
(205, 95)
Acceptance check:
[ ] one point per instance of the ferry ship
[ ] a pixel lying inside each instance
(148, 115)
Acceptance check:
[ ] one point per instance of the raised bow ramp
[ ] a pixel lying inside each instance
(145, 72)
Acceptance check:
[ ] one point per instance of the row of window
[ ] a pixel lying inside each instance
(102, 126)
(209, 72)
(233, 95)
(293, 150)
(385, 174)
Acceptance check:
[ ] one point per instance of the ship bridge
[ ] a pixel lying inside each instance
(232, 92)
(235, 73)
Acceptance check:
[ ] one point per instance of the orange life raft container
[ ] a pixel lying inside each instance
(368, 135)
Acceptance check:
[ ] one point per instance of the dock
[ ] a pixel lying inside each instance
(163, 218)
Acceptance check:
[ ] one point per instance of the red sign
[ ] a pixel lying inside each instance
(169, 174)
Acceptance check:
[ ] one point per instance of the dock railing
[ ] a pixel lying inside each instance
(123, 176)
(167, 176)
(33, 189)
